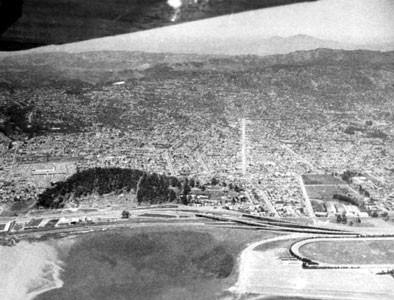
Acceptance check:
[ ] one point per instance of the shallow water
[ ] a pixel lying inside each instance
(28, 269)
(132, 264)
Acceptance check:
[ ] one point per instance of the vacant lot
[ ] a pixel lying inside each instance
(16, 208)
(337, 251)
(153, 263)
(318, 206)
(325, 192)
(311, 179)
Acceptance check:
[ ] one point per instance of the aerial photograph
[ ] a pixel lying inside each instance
(197, 150)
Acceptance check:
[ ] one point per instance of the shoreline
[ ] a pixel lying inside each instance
(29, 269)
(51, 283)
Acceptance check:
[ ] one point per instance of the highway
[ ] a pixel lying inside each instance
(107, 219)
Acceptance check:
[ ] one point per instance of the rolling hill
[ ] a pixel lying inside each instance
(73, 91)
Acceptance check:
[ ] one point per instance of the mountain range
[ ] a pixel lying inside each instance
(103, 67)
(73, 91)
(168, 41)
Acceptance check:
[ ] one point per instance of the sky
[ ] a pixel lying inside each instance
(355, 21)
(347, 21)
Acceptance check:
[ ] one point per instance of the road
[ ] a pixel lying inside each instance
(307, 200)
(169, 162)
(263, 272)
(299, 157)
(243, 145)
(296, 250)
(267, 202)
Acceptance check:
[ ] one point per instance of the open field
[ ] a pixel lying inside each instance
(350, 251)
(325, 192)
(14, 208)
(318, 206)
(153, 263)
(321, 179)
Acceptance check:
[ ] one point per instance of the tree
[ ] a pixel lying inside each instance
(192, 182)
(344, 218)
(125, 214)
(214, 181)
(172, 195)
(339, 219)
(186, 189)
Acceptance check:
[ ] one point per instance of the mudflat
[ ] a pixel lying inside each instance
(153, 263)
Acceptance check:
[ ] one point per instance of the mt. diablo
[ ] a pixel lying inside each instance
(105, 67)
(168, 40)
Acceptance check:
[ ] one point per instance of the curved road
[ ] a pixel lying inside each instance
(264, 273)
(296, 250)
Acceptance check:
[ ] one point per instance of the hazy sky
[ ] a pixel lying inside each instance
(352, 21)
(342, 20)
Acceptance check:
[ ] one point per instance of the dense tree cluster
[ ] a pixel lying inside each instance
(14, 119)
(352, 129)
(156, 189)
(150, 188)
(347, 199)
(348, 175)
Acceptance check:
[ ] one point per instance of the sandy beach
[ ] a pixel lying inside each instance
(28, 269)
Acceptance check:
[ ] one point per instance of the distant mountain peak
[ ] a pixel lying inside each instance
(296, 37)
(241, 45)
(303, 36)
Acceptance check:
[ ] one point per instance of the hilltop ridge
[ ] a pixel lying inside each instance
(323, 74)
(106, 66)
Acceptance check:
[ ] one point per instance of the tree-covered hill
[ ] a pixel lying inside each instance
(150, 188)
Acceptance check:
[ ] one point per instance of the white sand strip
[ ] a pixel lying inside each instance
(28, 269)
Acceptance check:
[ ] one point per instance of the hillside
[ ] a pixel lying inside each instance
(75, 91)
(41, 69)
(149, 188)
(320, 111)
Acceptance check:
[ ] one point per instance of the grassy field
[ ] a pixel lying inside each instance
(351, 251)
(318, 206)
(16, 208)
(311, 179)
(325, 192)
(170, 262)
